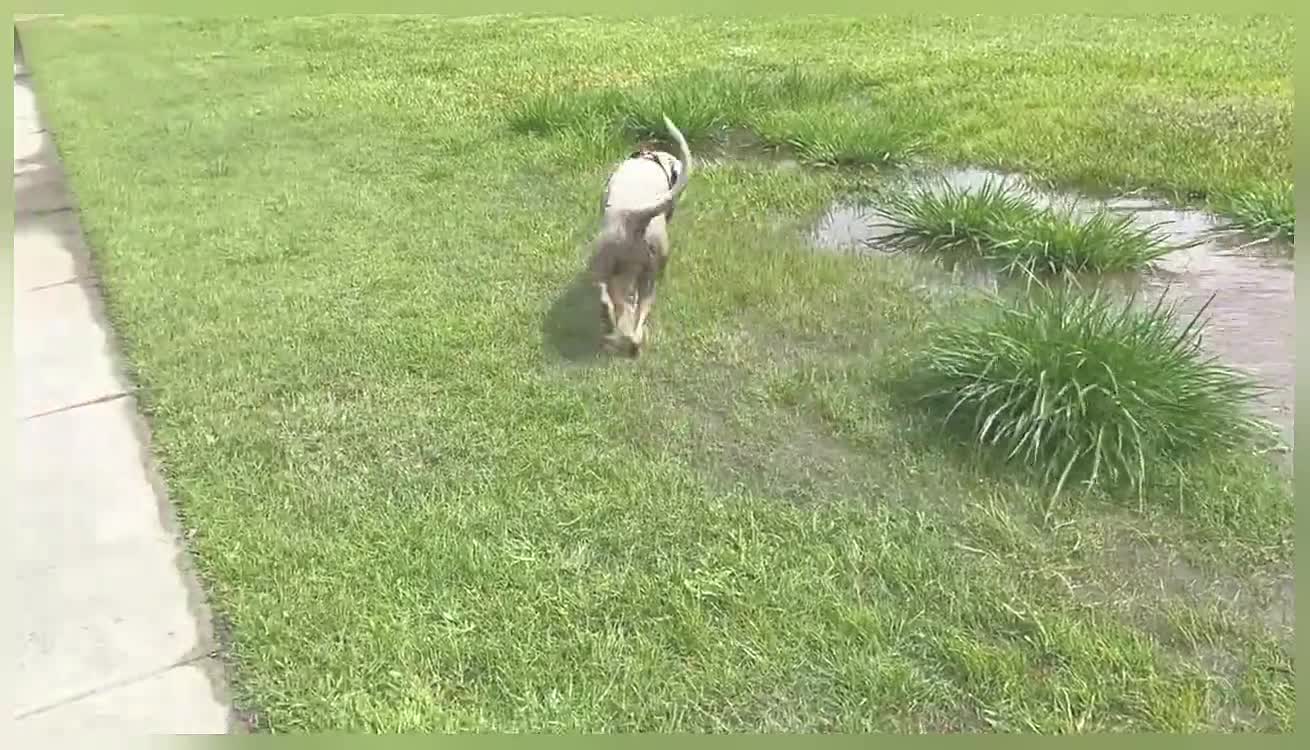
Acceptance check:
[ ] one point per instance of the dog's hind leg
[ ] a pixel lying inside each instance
(645, 301)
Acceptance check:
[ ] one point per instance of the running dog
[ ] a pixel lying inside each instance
(632, 248)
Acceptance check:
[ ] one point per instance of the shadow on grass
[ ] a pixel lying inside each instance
(571, 329)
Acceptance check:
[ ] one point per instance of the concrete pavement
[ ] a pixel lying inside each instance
(113, 633)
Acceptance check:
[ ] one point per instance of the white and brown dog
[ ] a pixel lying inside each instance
(632, 248)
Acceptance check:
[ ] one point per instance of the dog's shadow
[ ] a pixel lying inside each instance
(572, 327)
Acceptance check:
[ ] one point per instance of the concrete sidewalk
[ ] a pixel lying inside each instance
(113, 635)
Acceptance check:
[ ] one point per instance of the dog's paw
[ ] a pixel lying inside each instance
(620, 345)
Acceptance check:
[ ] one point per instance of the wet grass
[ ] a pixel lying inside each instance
(709, 101)
(1087, 388)
(420, 502)
(1004, 225)
(1267, 210)
(805, 110)
(831, 137)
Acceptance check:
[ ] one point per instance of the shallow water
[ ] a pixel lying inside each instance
(1250, 321)
(740, 148)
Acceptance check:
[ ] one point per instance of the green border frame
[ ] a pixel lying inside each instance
(669, 7)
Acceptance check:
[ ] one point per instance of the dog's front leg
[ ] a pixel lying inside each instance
(608, 316)
(601, 269)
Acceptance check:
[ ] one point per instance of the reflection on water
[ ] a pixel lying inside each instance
(1250, 321)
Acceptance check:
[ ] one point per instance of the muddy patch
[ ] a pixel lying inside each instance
(739, 440)
(800, 464)
(1247, 282)
(1149, 577)
(1209, 617)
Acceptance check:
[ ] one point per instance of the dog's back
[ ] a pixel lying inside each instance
(629, 206)
(636, 182)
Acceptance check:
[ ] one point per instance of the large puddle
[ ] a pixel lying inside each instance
(1250, 320)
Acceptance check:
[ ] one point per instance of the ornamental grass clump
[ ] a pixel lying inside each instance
(1080, 385)
(1005, 226)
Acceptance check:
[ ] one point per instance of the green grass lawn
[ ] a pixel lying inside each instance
(341, 254)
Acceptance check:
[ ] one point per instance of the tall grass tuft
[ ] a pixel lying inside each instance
(794, 86)
(1005, 225)
(1081, 386)
(839, 138)
(554, 112)
(703, 111)
(704, 104)
(953, 219)
(1265, 210)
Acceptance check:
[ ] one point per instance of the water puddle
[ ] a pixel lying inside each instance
(1251, 319)
(739, 148)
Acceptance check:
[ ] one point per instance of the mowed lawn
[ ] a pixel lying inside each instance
(342, 263)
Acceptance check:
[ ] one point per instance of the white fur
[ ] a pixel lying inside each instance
(633, 244)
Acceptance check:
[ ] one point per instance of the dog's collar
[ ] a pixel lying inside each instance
(651, 155)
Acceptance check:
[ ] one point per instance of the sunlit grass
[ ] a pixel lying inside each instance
(418, 508)
(1086, 387)
(793, 108)
(1003, 224)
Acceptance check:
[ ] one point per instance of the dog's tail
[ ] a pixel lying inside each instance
(635, 220)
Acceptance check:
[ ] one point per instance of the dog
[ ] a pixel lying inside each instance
(632, 248)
